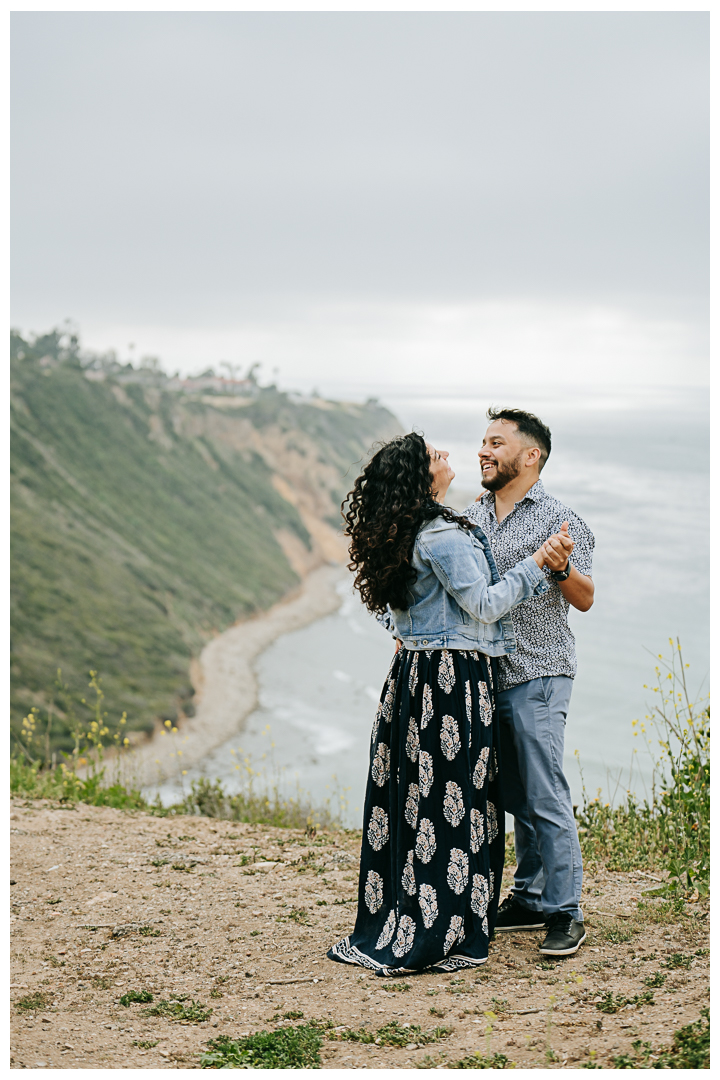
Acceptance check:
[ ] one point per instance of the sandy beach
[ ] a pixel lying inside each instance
(225, 682)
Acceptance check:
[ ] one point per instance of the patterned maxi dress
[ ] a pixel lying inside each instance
(433, 830)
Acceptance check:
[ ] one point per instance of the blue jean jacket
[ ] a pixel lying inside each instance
(459, 601)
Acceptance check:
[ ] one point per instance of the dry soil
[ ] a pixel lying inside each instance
(239, 917)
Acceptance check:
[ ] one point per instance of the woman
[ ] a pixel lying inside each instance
(433, 835)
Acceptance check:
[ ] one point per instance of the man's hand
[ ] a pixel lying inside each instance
(578, 589)
(398, 645)
(558, 548)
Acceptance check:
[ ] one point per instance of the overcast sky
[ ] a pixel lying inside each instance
(368, 197)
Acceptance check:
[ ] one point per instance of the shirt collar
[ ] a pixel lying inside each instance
(536, 494)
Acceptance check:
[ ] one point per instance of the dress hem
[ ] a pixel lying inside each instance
(345, 953)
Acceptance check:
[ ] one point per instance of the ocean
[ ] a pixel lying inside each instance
(635, 466)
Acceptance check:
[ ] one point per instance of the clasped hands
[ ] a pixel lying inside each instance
(557, 548)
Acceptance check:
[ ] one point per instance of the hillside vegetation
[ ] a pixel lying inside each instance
(146, 518)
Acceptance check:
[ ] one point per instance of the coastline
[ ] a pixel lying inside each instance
(225, 680)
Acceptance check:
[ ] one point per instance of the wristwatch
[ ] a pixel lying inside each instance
(562, 575)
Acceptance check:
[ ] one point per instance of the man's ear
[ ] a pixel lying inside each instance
(533, 457)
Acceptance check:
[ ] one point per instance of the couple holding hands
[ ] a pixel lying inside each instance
(471, 719)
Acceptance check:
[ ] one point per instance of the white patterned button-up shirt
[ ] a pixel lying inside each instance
(545, 642)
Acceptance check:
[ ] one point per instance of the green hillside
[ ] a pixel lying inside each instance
(144, 520)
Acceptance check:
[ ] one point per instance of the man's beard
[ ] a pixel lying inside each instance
(503, 475)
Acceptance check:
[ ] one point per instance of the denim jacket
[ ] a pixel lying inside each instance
(459, 600)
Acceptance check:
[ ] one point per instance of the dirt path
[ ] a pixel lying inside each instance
(226, 683)
(247, 939)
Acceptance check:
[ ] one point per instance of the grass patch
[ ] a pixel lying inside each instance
(656, 980)
(612, 1003)
(299, 916)
(616, 935)
(677, 961)
(146, 1044)
(663, 912)
(148, 931)
(398, 987)
(61, 784)
(30, 1002)
(690, 1049)
(393, 1034)
(482, 1061)
(288, 1048)
(194, 1013)
(470, 1061)
(207, 798)
(136, 996)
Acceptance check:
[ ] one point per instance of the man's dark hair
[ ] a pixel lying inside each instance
(529, 426)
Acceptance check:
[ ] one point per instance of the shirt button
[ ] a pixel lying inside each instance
(414, 642)
(425, 641)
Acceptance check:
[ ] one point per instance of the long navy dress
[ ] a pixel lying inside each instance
(433, 832)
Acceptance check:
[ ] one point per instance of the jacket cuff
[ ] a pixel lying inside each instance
(536, 576)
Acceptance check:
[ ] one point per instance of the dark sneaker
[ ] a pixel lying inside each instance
(513, 915)
(564, 935)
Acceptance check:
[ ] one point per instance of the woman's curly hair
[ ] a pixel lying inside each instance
(392, 498)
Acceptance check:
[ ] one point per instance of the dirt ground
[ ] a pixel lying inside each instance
(238, 918)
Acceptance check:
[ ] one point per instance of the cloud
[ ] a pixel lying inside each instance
(447, 346)
(223, 177)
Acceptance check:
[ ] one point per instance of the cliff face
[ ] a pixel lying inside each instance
(145, 519)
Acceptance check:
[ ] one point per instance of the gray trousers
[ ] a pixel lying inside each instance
(532, 736)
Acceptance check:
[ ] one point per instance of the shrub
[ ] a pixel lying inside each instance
(671, 828)
(82, 776)
(208, 799)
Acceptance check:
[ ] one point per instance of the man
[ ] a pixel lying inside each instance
(517, 515)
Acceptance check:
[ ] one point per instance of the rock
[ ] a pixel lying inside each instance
(99, 899)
